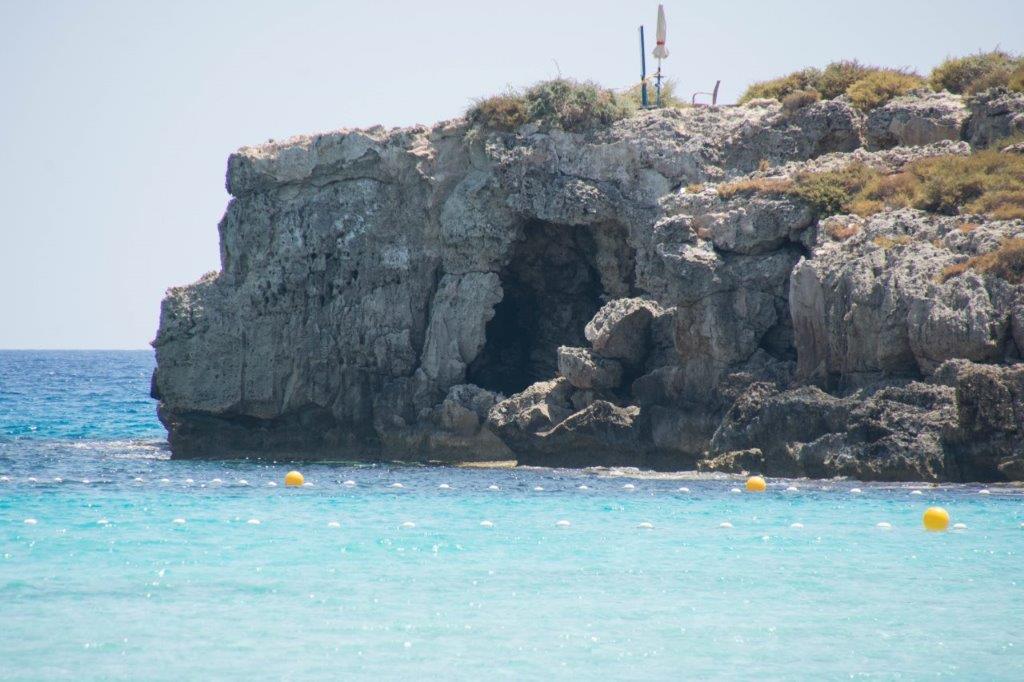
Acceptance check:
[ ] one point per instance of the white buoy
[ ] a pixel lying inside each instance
(253, 522)
(178, 521)
(629, 486)
(349, 484)
(444, 486)
(959, 526)
(103, 522)
(493, 487)
(165, 481)
(30, 522)
(725, 524)
(307, 484)
(855, 491)
(735, 490)
(646, 525)
(537, 489)
(583, 487)
(86, 481)
(333, 524)
(408, 524)
(792, 489)
(487, 524)
(883, 525)
(271, 484)
(216, 481)
(396, 485)
(33, 479)
(984, 491)
(58, 479)
(562, 524)
(242, 481)
(139, 479)
(5, 478)
(916, 492)
(684, 489)
(797, 525)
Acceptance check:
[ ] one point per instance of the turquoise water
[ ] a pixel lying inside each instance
(106, 585)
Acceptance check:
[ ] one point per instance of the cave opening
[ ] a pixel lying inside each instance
(556, 279)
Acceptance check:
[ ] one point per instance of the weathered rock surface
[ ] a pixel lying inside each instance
(995, 114)
(918, 119)
(575, 299)
(587, 371)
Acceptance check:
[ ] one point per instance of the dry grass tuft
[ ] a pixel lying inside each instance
(755, 185)
(798, 99)
(1006, 262)
(842, 231)
(887, 242)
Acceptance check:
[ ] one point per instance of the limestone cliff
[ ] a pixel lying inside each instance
(579, 298)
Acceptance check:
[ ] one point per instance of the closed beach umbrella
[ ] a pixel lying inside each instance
(660, 52)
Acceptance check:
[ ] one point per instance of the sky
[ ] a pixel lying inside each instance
(117, 117)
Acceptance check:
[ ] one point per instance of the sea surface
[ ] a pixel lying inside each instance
(117, 562)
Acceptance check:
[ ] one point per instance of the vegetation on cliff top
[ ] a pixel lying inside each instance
(986, 182)
(563, 103)
(871, 86)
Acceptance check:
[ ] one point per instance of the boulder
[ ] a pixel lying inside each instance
(620, 329)
(586, 371)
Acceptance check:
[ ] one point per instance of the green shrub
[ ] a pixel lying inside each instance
(501, 112)
(974, 73)
(880, 86)
(830, 192)
(562, 103)
(799, 99)
(837, 77)
(984, 182)
(575, 105)
(780, 87)
(1015, 81)
(988, 182)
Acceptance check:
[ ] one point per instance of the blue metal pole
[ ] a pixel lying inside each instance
(643, 70)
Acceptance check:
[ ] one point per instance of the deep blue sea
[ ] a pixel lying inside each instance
(116, 562)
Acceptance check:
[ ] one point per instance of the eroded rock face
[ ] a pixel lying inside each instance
(995, 114)
(918, 119)
(874, 304)
(573, 299)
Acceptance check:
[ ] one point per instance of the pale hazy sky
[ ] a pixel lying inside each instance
(116, 118)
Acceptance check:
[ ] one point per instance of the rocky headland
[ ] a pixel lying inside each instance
(735, 288)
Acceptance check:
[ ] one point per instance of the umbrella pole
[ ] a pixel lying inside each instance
(657, 87)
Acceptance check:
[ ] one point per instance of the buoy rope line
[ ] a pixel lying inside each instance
(934, 519)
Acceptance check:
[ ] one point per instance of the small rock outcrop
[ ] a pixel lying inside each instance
(647, 293)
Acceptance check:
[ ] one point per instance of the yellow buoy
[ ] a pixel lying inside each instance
(756, 484)
(294, 478)
(936, 518)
